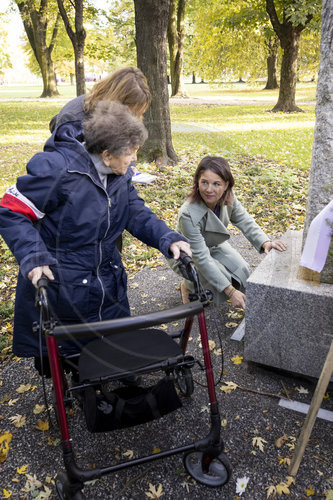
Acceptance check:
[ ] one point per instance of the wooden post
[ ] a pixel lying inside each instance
(317, 398)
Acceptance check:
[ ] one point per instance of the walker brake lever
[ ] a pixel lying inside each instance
(186, 267)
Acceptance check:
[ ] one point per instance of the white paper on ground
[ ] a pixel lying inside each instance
(304, 408)
(144, 178)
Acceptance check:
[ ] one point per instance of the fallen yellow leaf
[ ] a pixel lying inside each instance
(11, 402)
(309, 491)
(211, 345)
(280, 441)
(22, 470)
(228, 387)
(38, 409)
(23, 388)
(153, 492)
(237, 360)
(42, 426)
(231, 324)
(271, 491)
(259, 442)
(290, 480)
(6, 493)
(5, 399)
(5, 439)
(18, 420)
(282, 488)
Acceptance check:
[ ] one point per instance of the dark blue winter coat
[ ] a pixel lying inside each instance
(59, 214)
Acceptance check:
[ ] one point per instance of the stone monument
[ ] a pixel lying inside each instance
(288, 320)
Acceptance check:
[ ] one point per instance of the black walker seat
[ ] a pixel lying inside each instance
(121, 354)
(126, 346)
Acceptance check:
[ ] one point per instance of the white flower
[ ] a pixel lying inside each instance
(241, 484)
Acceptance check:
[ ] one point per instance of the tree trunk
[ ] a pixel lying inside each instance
(289, 35)
(176, 35)
(272, 45)
(193, 78)
(77, 38)
(151, 23)
(35, 23)
(79, 70)
(321, 174)
(49, 79)
(287, 94)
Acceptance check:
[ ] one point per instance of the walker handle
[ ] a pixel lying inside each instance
(186, 266)
(43, 282)
(185, 259)
(41, 299)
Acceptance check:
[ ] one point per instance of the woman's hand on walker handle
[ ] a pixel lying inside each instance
(177, 246)
(37, 272)
(277, 244)
(236, 297)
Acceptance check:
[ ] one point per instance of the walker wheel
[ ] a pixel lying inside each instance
(64, 491)
(184, 380)
(209, 471)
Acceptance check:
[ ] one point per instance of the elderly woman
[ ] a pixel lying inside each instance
(204, 218)
(63, 217)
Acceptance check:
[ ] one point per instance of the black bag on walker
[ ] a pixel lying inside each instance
(127, 406)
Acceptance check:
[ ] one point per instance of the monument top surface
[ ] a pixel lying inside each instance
(279, 269)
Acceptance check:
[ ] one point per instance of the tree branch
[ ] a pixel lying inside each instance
(67, 23)
(27, 23)
(271, 11)
(54, 32)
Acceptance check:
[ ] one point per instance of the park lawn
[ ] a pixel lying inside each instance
(306, 91)
(269, 153)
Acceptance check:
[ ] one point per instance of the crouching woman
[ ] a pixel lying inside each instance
(204, 220)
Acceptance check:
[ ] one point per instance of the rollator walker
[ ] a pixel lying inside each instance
(124, 350)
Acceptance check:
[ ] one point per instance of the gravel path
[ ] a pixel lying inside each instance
(249, 412)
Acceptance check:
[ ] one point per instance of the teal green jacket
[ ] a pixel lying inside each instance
(215, 259)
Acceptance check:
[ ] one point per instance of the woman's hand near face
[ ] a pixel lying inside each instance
(36, 273)
(178, 246)
(277, 244)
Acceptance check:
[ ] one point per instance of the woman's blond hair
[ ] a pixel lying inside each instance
(126, 85)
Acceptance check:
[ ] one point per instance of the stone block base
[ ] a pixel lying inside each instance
(288, 321)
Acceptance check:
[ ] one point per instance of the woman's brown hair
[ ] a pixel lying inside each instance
(219, 166)
(126, 85)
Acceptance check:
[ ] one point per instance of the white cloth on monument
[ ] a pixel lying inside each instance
(318, 240)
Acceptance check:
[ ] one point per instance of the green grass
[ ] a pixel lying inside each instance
(251, 131)
(255, 91)
(33, 91)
